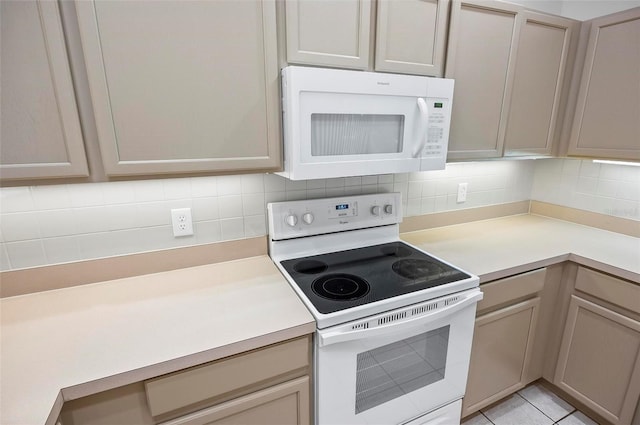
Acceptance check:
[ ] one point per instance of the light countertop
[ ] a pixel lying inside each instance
(67, 343)
(504, 246)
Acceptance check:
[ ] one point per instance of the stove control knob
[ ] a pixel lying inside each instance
(291, 220)
(388, 209)
(308, 218)
(375, 210)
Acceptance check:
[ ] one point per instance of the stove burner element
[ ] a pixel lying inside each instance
(417, 268)
(341, 287)
(395, 250)
(310, 267)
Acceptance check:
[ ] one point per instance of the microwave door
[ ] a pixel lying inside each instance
(344, 134)
(350, 134)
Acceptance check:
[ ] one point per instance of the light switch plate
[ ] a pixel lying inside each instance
(462, 192)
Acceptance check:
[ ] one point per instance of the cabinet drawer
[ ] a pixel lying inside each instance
(287, 403)
(512, 288)
(608, 288)
(181, 389)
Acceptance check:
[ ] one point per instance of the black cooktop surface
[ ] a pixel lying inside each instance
(345, 279)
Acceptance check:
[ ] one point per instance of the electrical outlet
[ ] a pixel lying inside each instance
(462, 192)
(181, 221)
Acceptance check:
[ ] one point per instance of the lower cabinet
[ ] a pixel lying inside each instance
(599, 360)
(503, 340)
(502, 344)
(269, 386)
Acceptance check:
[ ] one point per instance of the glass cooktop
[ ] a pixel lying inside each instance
(345, 279)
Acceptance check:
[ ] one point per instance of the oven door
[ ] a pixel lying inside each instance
(397, 366)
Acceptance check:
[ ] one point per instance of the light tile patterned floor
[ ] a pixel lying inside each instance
(533, 405)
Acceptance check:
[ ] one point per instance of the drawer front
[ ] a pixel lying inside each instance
(512, 288)
(181, 389)
(616, 291)
(286, 403)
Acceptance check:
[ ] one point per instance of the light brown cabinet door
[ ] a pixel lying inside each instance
(599, 361)
(284, 404)
(195, 91)
(40, 129)
(328, 32)
(539, 72)
(606, 123)
(483, 37)
(501, 351)
(411, 36)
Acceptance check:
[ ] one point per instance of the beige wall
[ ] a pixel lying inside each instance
(581, 10)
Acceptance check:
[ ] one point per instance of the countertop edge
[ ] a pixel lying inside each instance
(169, 366)
(605, 267)
(558, 259)
(522, 268)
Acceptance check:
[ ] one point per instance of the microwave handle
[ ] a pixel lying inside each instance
(424, 114)
(338, 336)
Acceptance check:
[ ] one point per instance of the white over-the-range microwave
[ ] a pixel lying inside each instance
(341, 123)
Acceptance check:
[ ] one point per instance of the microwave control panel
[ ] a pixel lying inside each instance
(438, 127)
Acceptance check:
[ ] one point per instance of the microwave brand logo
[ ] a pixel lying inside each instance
(344, 221)
(384, 83)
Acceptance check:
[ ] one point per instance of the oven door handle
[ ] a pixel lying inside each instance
(334, 337)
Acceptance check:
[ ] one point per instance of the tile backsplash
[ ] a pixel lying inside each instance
(41, 225)
(609, 189)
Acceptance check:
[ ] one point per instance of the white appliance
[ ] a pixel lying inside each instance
(341, 123)
(395, 324)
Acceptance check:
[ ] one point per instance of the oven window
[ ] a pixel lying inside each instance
(393, 370)
(355, 134)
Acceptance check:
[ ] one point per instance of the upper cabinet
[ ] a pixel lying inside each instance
(539, 75)
(328, 33)
(183, 87)
(40, 132)
(509, 66)
(606, 122)
(411, 36)
(193, 87)
(483, 38)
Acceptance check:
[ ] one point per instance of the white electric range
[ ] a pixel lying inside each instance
(395, 324)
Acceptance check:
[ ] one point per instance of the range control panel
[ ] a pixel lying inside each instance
(310, 217)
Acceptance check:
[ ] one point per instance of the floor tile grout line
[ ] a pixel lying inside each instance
(574, 410)
(540, 410)
(567, 415)
(487, 418)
